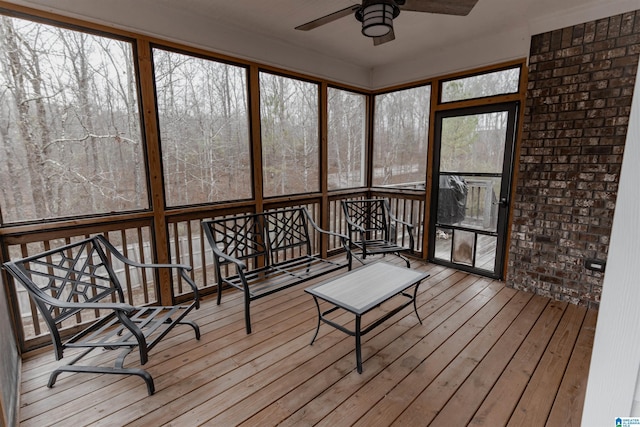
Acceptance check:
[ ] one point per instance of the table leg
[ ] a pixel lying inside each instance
(319, 316)
(358, 349)
(415, 306)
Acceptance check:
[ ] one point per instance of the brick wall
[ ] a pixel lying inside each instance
(580, 86)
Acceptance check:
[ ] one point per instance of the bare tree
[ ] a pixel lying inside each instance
(75, 140)
(202, 107)
(289, 124)
(400, 136)
(346, 138)
(18, 68)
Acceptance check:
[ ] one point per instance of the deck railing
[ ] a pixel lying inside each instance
(187, 245)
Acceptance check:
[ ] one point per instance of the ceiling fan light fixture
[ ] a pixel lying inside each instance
(377, 17)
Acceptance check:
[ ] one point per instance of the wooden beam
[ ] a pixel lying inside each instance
(154, 169)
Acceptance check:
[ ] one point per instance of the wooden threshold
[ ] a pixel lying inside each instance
(485, 355)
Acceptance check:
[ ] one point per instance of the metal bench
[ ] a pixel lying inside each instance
(266, 252)
(374, 229)
(78, 281)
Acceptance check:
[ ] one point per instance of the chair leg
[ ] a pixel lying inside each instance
(195, 327)
(361, 259)
(405, 259)
(247, 316)
(97, 370)
(118, 370)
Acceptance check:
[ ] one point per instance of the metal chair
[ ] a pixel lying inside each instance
(77, 281)
(374, 230)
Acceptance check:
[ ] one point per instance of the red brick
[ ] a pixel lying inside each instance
(581, 85)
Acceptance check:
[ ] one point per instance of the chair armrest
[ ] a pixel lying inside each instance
(241, 267)
(393, 218)
(354, 225)
(182, 268)
(132, 263)
(342, 237)
(240, 264)
(406, 224)
(409, 229)
(194, 288)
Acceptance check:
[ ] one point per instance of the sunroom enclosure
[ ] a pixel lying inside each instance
(112, 133)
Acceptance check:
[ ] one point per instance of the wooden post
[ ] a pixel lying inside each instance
(323, 99)
(154, 170)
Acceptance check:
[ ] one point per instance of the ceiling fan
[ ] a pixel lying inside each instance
(377, 15)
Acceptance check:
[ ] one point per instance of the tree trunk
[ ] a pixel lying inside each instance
(35, 160)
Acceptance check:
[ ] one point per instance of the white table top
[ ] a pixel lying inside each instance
(360, 290)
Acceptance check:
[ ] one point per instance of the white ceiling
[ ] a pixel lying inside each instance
(263, 30)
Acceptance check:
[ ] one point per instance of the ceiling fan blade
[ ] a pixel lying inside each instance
(446, 7)
(383, 39)
(328, 18)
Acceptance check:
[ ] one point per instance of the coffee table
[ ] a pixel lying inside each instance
(360, 291)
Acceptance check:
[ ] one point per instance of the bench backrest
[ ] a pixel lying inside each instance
(287, 233)
(261, 238)
(240, 236)
(370, 214)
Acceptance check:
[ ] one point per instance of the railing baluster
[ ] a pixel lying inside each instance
(127, 270)
(145, 289)
(190, 245)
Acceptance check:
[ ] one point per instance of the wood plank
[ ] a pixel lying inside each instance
(462, 406)
(433, 398)
(189, 409)
(173, 347)
(201, 355)
(279, 312)
(503, 398)
(567, 407)
(535, 405)
(398, 399)
(225, 367)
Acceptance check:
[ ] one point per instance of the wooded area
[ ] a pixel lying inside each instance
(69, 124)
(401, 132)
(72, 143)
(204, 128)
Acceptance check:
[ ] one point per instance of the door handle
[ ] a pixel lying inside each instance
(504, 202)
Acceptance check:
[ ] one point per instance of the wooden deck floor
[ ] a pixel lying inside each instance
(485, 355)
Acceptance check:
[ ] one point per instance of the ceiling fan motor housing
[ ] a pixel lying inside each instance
(377, 16)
